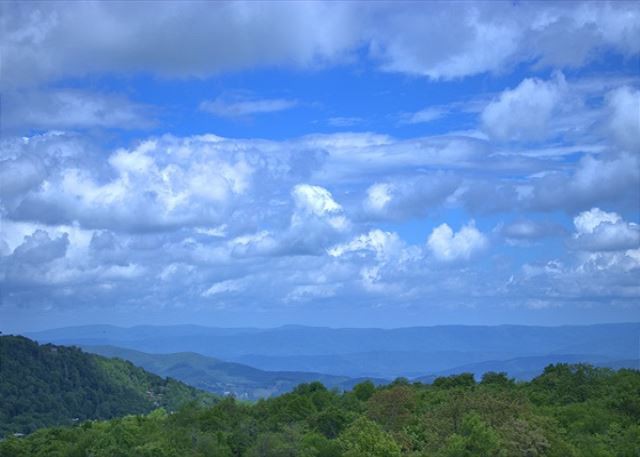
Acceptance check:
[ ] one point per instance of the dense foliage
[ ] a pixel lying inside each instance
(45, 385)
(569, 410)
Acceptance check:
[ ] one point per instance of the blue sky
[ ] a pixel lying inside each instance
(341, 164)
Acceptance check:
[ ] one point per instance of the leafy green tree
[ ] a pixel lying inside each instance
(476, 439)
(493, 378)
(365, 438)
(392, 407)
(463, 380)
(454, 417)
(364, 390)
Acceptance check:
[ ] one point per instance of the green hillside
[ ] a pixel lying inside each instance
(45, 385)
(217, 376)
(568, 411)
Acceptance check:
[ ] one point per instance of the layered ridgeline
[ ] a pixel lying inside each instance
(223, 378)
(568, 411)
(385, 353)
(44, 385)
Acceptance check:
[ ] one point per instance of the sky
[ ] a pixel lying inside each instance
(343, 164)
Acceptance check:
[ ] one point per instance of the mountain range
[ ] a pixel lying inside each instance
(369, 352)
(224, 378)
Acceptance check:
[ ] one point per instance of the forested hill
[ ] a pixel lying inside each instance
(568, 411)
(45, 385)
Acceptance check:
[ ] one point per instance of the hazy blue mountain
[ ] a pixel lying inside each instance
(527, 368)
(385, 364)
(221, 377)
(363, 351)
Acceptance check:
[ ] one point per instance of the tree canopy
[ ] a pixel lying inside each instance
(567, 411)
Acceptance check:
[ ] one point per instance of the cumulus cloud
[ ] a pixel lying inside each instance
(411, 197)
(39, 248)
(72, 109)
(524, 113)
(230, 36)
(447, 246)
(159, 183)
(25, 163)
(604, 266)
(624, 117)
(357, 155)
(566, 186)
(385, 263)
(205, 181)
(598, 230)
(262, 243)
(479, 38)
(315, 200)
(489, 37)
(524, 229)
(383, 244)
(593, 181)
(316, 222)
(295, 218)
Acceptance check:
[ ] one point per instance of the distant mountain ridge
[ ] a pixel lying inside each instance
(358, 352)
(527, 368)
(220, 377)
(246, 382)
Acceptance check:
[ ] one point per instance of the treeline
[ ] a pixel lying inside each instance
(45, 385)
(569, 410)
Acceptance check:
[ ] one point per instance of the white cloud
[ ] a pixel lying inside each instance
(437, 40)
(219, 208)
(448, 246)
(524, 113)
(256, 244)
(423, 116)
(39, 248)
(194, 41)
(383, 244)
(468, 42)
(360, 154)
(316, 221)
(161, 182)
(72, 109)
(218, 232)
(597, 230)
(315, 200)
(222, 287)
(588, 221)
(244, 108)
(408, 197)
(592, 181)
(624, 117)
(524, 229)
(310, 292)
(344, 121)
(378, 196)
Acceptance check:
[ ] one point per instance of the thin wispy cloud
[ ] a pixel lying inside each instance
(344, 121)
(423, 116)
(240, 108)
